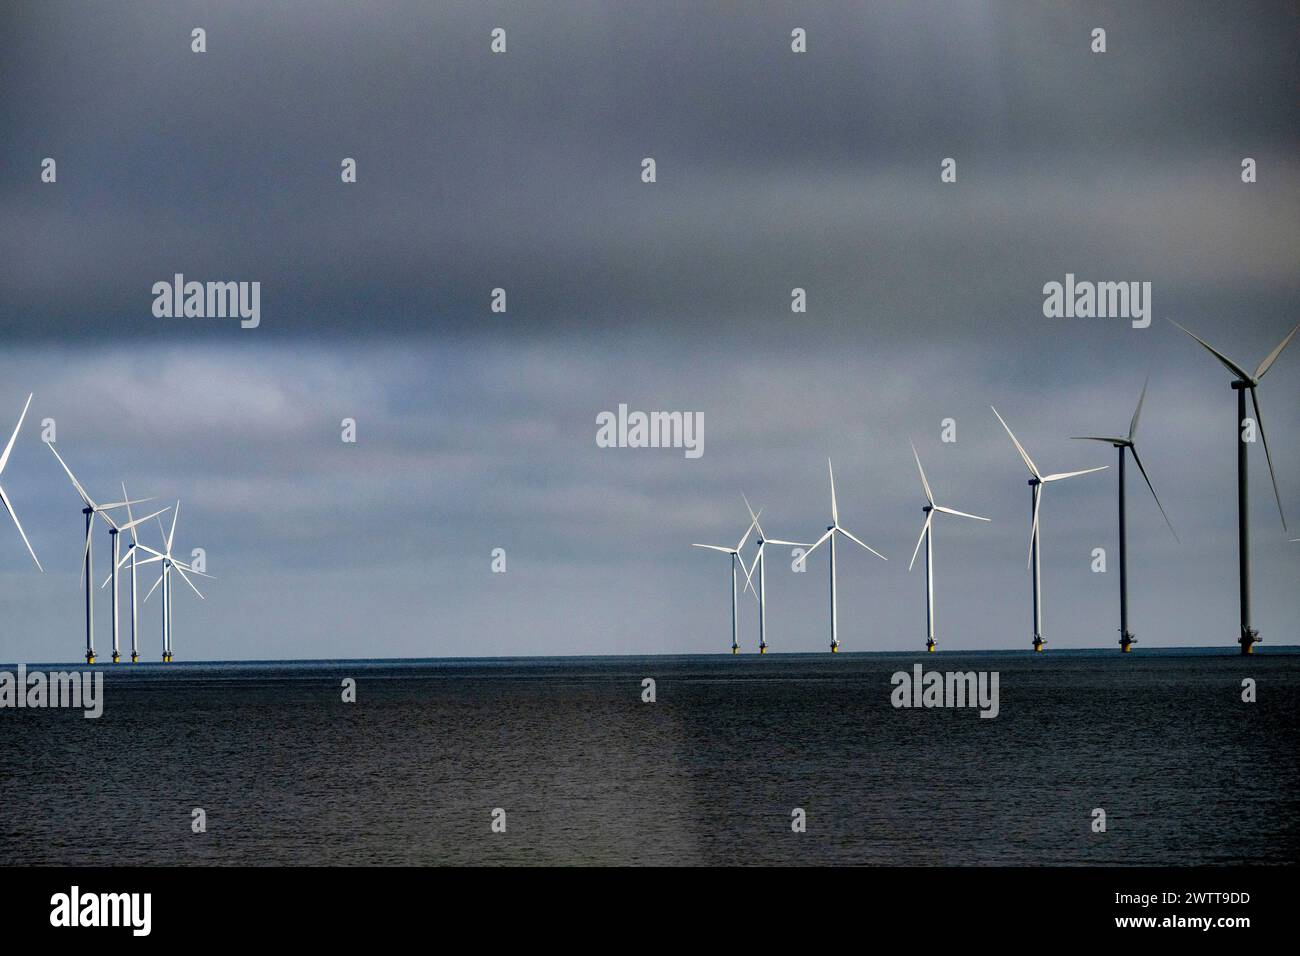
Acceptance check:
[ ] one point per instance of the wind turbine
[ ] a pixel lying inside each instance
(1126, 446)
(1036, 482)
(117, 564)
(735, 554)
(761, 565)
(832, 530)
(90, 510)
(4, 498)
(1243, 382)
(927, 531)
(165, 579)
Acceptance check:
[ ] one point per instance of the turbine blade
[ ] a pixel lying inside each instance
(819, 543)
(835, 511)
(1264, 366)
(749, 571)
(129, 517)
(122, 504)
(141, 562)
(752, 517)
(4, 458)
(917, 550)
(71, 477)
(1132, 426)
(18, 524)
(131, 524)
(1033, 529)
(924, 484)
(201, 574)
(960, 514)
(859, 543)
(126, 559)
(1061, 475)
(1227, 362)
(1108, 441)
(1138, 461)
(186, 578)
(90, 528)
(1259, 421)
(714, 547)
(753, 522)
(152, 589)
(792, 544)
(172, 534)
(1029, 462)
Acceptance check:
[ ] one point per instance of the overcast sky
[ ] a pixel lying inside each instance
(775, 170)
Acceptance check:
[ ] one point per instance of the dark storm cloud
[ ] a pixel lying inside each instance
(522, 170)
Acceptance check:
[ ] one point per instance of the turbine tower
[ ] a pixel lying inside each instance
(1241, 384)
(118, 561)
(735, 554)
(90, 510)
(761, 565)
(831, 531)
(165, 579)
(927, 531)
(1126, 446)
(1036, 482)
(4, 498)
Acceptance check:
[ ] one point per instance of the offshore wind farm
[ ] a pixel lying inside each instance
(492, 354)
(755, 571)
(93, 510)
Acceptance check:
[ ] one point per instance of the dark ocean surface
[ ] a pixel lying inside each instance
(708, 774)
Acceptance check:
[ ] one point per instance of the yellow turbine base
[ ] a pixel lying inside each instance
(1250, 648)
